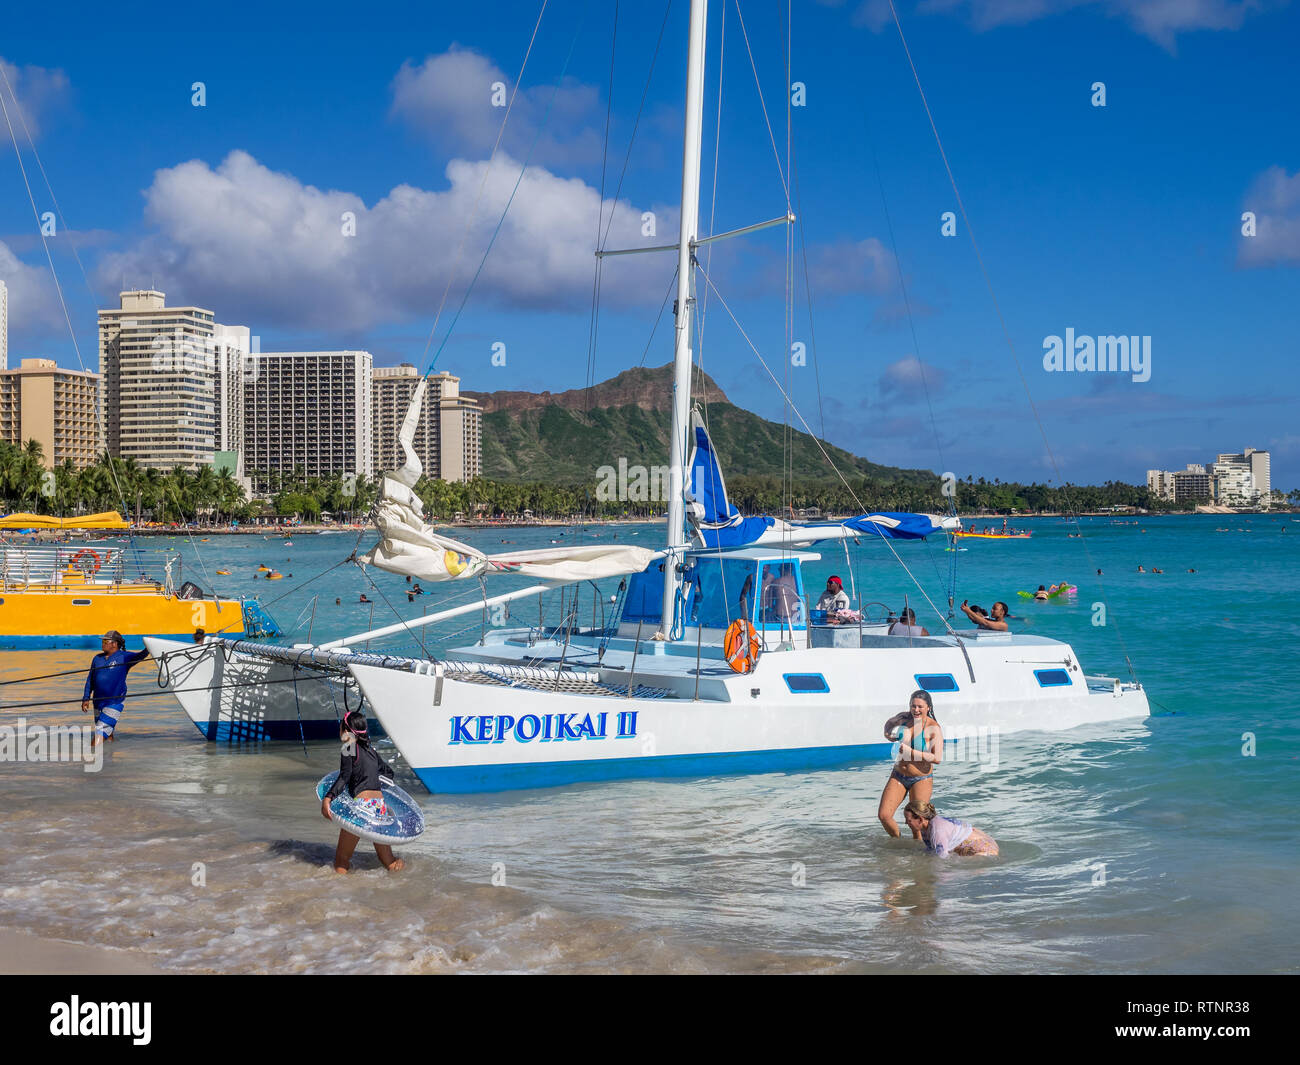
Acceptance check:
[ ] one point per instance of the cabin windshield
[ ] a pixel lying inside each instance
(724, 591)
(781, 600)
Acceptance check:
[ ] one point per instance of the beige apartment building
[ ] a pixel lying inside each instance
(171, 381)
(308, 409)
(448, 436)
(56, 407)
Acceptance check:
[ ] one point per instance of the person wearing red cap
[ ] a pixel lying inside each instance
(834, 598)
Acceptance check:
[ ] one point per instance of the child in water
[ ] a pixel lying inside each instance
(360, 771)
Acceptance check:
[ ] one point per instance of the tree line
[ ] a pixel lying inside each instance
(206, 495)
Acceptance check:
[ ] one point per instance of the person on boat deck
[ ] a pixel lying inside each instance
(1041, 594)
(199, 634)
(920, 750)
(947, 835)
(998, 622)
(906, 624)
(360, 771)
(106, 683)
(780, 594)
(834, 598)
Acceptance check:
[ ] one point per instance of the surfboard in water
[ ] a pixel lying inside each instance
(403, 823)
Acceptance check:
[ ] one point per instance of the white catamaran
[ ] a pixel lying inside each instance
(713, 663)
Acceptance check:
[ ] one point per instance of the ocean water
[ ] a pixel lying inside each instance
(1169, 845)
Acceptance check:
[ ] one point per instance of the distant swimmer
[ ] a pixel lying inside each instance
(106, 683)
(338, 602)
(946, 835)
(363, 599)
(920, 750)
(1141, 570)
(1041, 594)
(361, 773)
(1191, 571)
(1099, 573)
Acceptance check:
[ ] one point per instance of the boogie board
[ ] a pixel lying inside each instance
(404, 822)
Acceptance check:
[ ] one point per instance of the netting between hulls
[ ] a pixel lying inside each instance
(576, 684)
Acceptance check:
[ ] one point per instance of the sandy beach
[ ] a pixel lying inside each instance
(25, 955)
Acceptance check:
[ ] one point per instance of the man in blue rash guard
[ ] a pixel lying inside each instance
(107, 680)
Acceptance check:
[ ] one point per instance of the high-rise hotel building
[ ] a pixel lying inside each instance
(449, 434)
(170, 382)
(308, 409)
(4, 326)
(57, 408)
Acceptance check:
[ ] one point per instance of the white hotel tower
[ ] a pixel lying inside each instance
(308, 409)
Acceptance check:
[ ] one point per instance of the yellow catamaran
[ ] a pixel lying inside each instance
(69, 595)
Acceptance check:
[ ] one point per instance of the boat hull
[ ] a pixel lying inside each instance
(77, 617)
(234, 698)
(469, 737)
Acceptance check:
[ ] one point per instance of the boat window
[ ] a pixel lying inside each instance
(724, 592)
(936, 682)
(81, 602)
(781, 597)
(806, 683)
(1052, 678)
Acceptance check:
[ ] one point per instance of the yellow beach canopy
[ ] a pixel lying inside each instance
(111, 520)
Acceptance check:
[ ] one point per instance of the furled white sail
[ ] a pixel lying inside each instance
(410, 547)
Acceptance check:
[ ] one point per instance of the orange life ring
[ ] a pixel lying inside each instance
(81, 554)
(741, 646)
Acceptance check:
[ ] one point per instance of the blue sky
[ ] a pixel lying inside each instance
(1117, 220)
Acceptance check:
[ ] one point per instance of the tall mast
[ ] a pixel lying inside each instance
(682, 355)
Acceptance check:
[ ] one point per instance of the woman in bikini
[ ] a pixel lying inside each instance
(920, 750)
(947, 835)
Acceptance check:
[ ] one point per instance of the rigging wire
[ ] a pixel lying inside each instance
(473, 213)
(709, 281)
(496, 232)
(997, 307)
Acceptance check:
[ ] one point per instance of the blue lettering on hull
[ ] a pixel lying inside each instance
(547, 728)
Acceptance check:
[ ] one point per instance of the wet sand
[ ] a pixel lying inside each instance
(24, 955)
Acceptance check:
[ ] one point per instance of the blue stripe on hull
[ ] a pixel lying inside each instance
(276, 731)
(91, 640)
(462, 780)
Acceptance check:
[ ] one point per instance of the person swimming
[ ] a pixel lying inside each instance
(1042, 593)
(920, 749)
(947, 835)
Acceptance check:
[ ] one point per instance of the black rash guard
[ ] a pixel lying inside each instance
(359, 772)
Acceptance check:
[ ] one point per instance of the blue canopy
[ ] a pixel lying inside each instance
(895, 525)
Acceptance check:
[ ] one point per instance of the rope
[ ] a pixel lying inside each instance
(757, 84)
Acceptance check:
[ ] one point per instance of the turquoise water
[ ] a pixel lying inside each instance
(1155, 847)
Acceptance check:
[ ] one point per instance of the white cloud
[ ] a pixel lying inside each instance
(36, 91)
(1274, 197)
(33, 302)
(448, 98)
(852, 266)
(1161, 20)
(908, 378)
(260, 246)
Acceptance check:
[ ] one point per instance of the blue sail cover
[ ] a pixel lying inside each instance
(741, 533)
(706, 480)
(894, 525)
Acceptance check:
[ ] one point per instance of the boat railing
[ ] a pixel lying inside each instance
(22, 566)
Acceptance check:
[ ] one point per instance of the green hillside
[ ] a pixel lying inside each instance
(561, 442)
